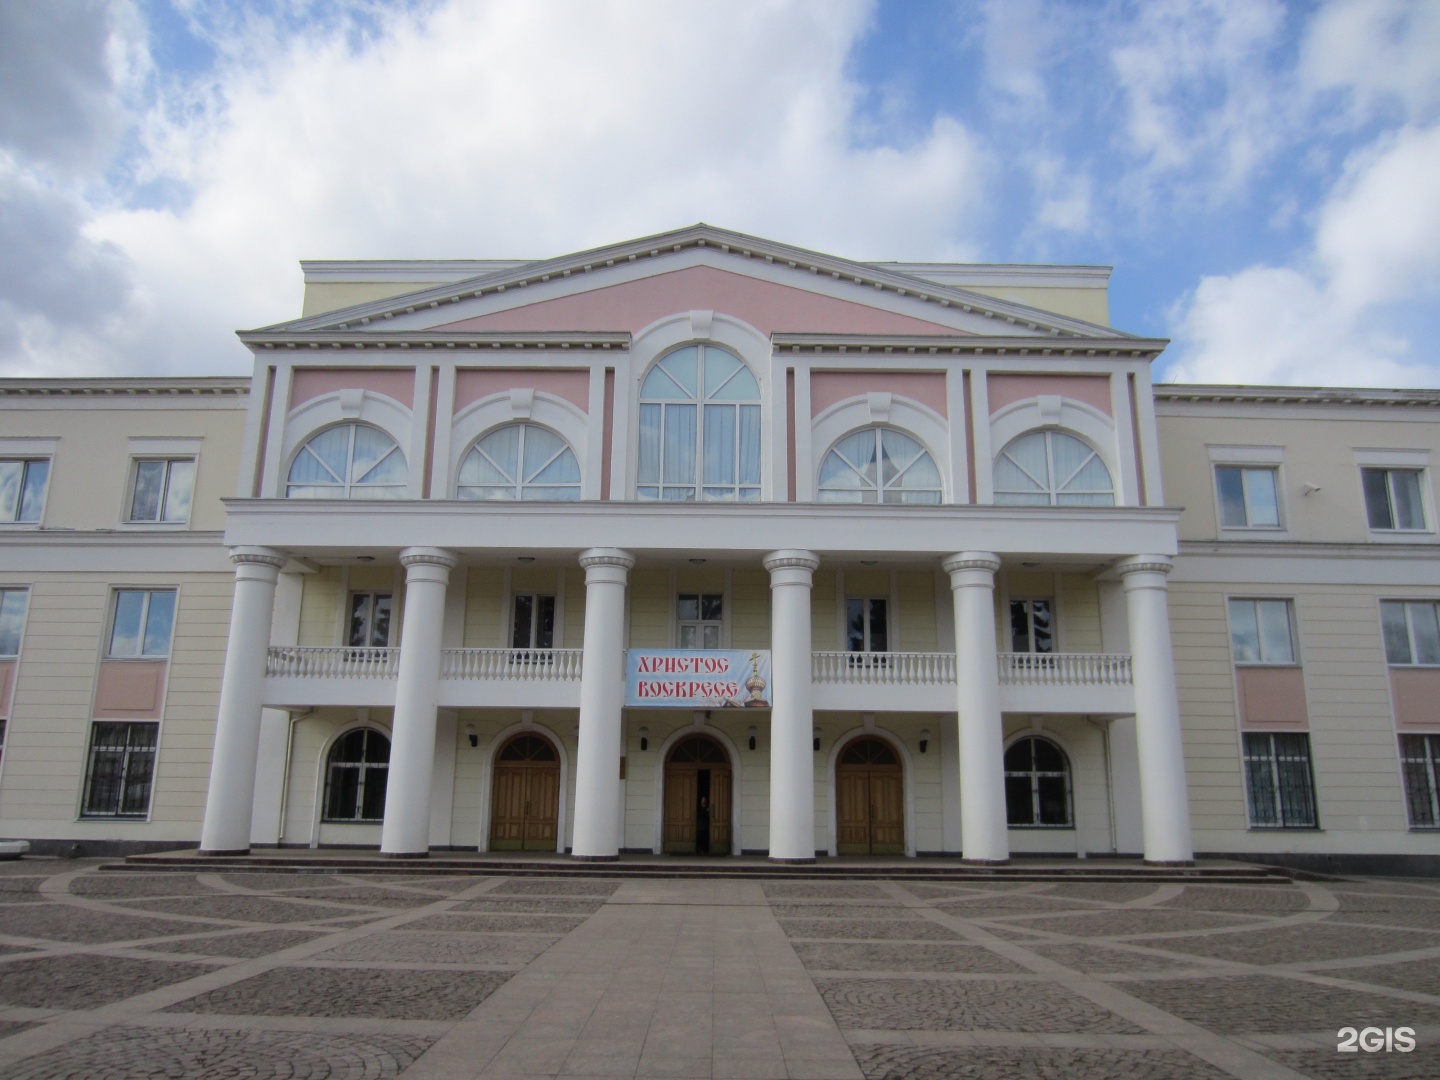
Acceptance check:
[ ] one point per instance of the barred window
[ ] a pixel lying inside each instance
(121, 771)
(355, 778)
(1279, 785)
(1420, 760)
(1037, 785)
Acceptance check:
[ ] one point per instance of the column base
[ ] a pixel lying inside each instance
(984, 862)
(223, 851)
(596, 858)
(792, 862)
(1169, 862)
(404, 854)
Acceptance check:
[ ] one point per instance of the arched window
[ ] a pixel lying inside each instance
(355, 776)
(1037, 785)
(699, 428)
(519, 461)
(879, 465)
(351, 461)
(1050, 468)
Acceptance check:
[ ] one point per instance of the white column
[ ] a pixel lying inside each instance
(792, 721)
(230, 800)
(983, 836)
(1164, 800)
(602, 696)
(406, 831)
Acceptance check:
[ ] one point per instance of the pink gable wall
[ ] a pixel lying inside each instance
(1008, 389)
(309, 383)
(768, 307)
(473, 384)
(828, 387)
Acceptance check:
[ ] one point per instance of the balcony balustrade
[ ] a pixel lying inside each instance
(883, 668)
(308, 662)
(525, 665)
(1064, 669)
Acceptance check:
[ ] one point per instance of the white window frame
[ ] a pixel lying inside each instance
(1250, 457)
(1277, 790)
(889, 626)
(1010, 601)
(169, 461)
(349, 615)
(1417, 461)
(89, 777)
(1291, 620)
(700, 623)
(25, 461)
(148, 592)
(1409, 629)
(536, 598)
(24, 619)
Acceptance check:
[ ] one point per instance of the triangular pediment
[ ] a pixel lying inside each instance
(624, 287)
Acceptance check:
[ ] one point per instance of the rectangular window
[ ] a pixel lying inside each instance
(370, 619)
(867, 625)
(1248, 498)
(533, 626)
(1279, 786)
(1392, 499)
(22, 489)
(700, 618)
(1420, 760)
(13, 603)
(161, 490)
(1260, 632)
(144, 623)
(1412, 631)
(1032, 626)
(121, 770)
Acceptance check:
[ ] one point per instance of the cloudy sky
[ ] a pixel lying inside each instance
(1264, 176)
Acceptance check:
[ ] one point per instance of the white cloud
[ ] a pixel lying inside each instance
(1381, 51)
(513, 130)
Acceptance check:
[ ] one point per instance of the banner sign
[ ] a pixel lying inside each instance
(697, 678)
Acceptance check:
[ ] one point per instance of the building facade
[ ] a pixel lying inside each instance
(1014, 598)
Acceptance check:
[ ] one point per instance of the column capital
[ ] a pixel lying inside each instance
(600, 556)
(971, 560)
(428, 556)
(258, 556)
(792, 559)
(1143, 564)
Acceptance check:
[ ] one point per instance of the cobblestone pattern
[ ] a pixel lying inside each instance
(223, 1053)
(986, 907)
(884, 956)
(11, 887)
(1423, 1063)
(886, 1062)
(867, 929)
(419, 947)
(244, 909)
(556, 887)
(843, 911)
(520, 905)
(381, 993)
(970, 1005)
(1269, 900)
(385, 899)
(1420, 976)
(259, 943)
(1266, 1003)
(86, 981)
(804, 890)
(65, 922)
(1124, 922)
(1404, 911)
(1097, 960)
(1297, 944)
(1114, 892)
(105, 886)
(511, 924)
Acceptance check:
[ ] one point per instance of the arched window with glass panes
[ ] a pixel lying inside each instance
(355, 776)
(879, 465)
(699, 428)
(1037, 785)
(1051, 468)
(349, 461)
(519, 461)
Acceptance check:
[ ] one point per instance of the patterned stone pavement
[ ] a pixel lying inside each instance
(333, 977)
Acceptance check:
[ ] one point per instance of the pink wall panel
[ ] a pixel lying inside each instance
(7, 684)
(130, 689)
(1005, 390)
(309, 383)
(768, 307)
(473, 384)
(1272, 699)
(1416, 694)
(828, 387)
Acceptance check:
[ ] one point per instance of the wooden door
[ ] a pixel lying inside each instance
(869, 800)
(719, 811)
(525, 808)
(680, 805)
(687, 760)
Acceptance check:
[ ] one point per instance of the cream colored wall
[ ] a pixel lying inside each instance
(323, 296)
(1092, 305)
(1319, 445)
(484, 619)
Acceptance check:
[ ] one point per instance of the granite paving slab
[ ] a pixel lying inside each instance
(903, 1005)
(889, 1062)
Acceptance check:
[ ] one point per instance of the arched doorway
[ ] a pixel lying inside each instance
(697, 798)
(525, 809)
(869, 799)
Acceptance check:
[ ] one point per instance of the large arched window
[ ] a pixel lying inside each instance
(699, 428)
(519, 461)
(351, 461)
(1050, 468)
(1037, 785)
(355, 776)
(879, 465)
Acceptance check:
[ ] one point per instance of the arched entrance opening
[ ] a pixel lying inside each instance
(697, 798)
(525, 807)
(869, 799)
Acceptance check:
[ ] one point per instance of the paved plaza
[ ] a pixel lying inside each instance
(333, 977)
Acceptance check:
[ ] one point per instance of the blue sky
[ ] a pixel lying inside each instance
(1260, 174)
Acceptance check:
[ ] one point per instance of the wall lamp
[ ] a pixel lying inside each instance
(752, 733)
(473, 734)
(817, 740)
(644, 738)
(924, 739)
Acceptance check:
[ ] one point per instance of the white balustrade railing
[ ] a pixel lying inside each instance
(888, 668)
(307, 662)
(1064, 669)
(526, 665)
